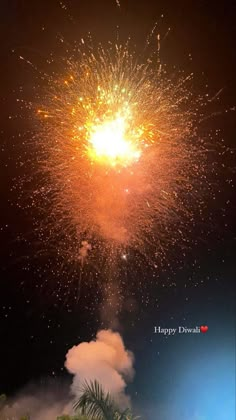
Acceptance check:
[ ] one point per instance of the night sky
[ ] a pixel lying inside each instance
(176, 377)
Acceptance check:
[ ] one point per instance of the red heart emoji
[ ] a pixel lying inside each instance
(204, 328)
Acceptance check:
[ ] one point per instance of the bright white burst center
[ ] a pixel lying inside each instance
(108, 143)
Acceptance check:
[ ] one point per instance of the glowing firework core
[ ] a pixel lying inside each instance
(109, 144)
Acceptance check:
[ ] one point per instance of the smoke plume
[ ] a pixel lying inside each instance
(105, 360)
(38, 402)
(83, 251)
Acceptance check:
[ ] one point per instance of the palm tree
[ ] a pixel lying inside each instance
(98, 405)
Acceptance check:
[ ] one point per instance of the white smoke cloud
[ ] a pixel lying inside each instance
(104, 359)
(37, 403)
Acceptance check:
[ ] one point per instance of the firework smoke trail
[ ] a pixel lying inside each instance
(121, 158)
(83, 253)
(104, 359)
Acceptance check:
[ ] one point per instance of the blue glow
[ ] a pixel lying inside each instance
(207, 391)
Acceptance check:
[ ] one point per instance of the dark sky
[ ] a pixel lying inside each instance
(36, 327)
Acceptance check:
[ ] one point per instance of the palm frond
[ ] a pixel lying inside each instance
(126, 415)
(94, 403)
(98, 405)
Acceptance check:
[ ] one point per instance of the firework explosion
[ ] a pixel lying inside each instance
(121, 168)
(117, 147)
